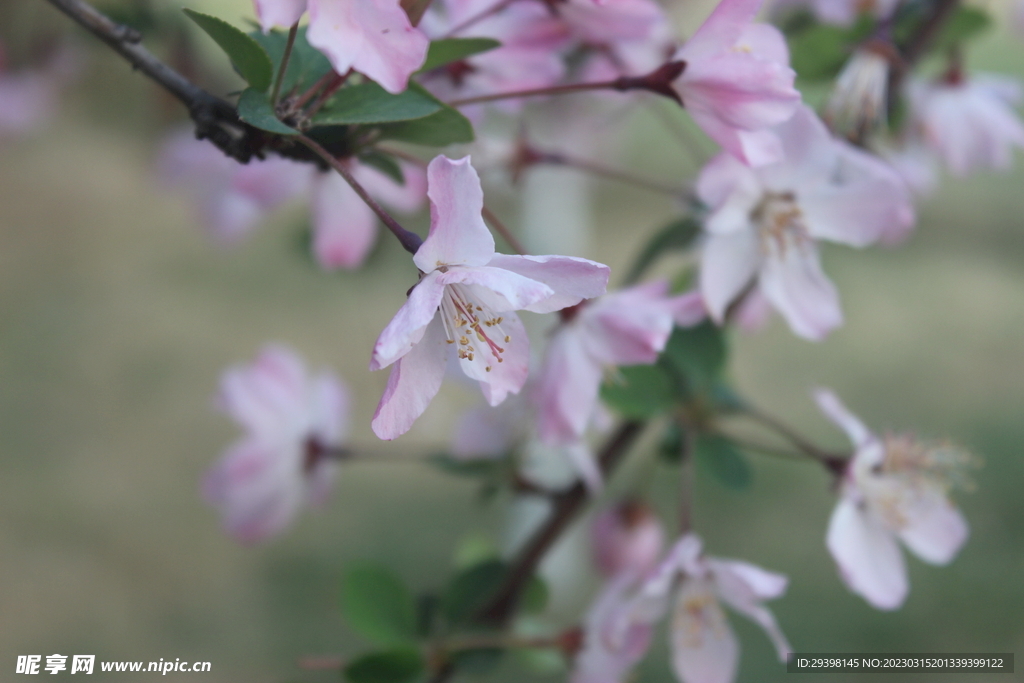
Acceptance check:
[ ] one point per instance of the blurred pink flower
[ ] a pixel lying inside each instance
(373, 37)
(465, 300)
(264, 479)
(234, 198)
(627, 537)
(737, 83)
(764, 222)
(629, 327)
(893, 488)
(28, 97)
(613, 642)
(971, 122)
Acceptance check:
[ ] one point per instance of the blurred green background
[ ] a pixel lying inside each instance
(117, 315)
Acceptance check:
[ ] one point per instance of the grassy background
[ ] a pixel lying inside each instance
(116, 316)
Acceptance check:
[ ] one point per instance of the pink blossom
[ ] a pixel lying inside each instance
(629, 327)
(234, 198)
(613, 642)
(737, 82)
(464, 302)
(764, 222)
(971, 121)
(28, 97)
(289, 417)
(627, 537)
(895, 488)
(373, 37)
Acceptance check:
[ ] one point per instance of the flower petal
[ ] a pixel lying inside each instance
(514, 291)
(414, 381)
(841, 416)
(267, 397)
(796, 286)
(408, 325)
(373, 37)
(567, 388)
(868, 556)
(571, 279)
(728, 263)
(344, 227)
(458, 235)
(721, 30)
(743, 587)
(499, 378)
(933, 529)
(282, 13)
(704, 647)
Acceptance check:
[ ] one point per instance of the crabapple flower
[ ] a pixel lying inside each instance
(629, 327)
(969, 121)
(233, 198)
(859, 101)
(627, 537)
(737, 83)
(464, 302)
(895, 488)
(613, 643)
(290, 419)
(764, 222)
(373, 37)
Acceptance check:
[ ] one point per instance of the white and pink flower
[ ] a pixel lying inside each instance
(373, 37)
(627, 537)
(290, 420)
(969, 121)
(764, 222)
(464, 303)
(737, 83)
(894, 489)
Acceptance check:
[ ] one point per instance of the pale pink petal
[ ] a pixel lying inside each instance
(567, 388)
(704, 647)
(868, 556)
(458, 235)
(722, 29)
(753, 312)
(373, 37)
(267, 397)
(28, 100)
(614, 642)
(571, 279)
(499, 378)
(280, 13)
(629, 327)
(688, 309)
(408, 325)
(344, 227)
(765, 41)
(414, 381)
(841, 416)
(609, 21)
(723, 177)
(515, 292)
(330, 405)
(728, 264)
(752, 147)
(933, 528)
(627, 537)
(743, 587)
(796, 286)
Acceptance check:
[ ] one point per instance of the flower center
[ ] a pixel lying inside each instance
(780, 223)
(468, 323)
(698, 616)
(943, 464)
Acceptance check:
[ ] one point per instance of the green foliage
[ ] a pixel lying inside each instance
(369, 103)
(470, 590)
(477, 662)
(255, 109)
(698, 353)
(640, 392)
(445, 127)
(249, 58)
(719, 456)
(535, 596)
(966, 24)
(377, 605)
(672, 443)
(400, 665)
(448, 50)
(306, 65)
(676, 236)
(819, 51)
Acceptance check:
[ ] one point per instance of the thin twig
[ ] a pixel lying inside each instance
(834, 461)
(292, 32)
(409, 240)
(502, 230)
(558, 159)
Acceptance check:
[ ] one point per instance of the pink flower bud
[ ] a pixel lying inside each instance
(627, 537)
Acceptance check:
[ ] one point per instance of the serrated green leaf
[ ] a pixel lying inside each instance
(377, 605)
(400, 665)
(698, 353)
(250, 59)
(444, 127)
(305, 66)
(254, 108)
(448, 50)
(965, 24)
(385, 163)
(470, 590)
(677, 235)
(723, 460)
(640, 392)
(369, 103)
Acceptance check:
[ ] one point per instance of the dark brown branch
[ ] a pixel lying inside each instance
(918, 43)
(216, 119)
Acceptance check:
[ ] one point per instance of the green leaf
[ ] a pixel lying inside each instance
(377, 605)
(641, 392)
(370, 103)
(535, 596)
(305, 66)
(965, 24)
(819, 51)
(250, 59)
(470, 590)
(479, 661)
(254, 108)
(448, 50)
(677, 235)
(672, 443)
(698, 353)
(720, 457)
(385, 163)
(442, 128)
(400, 665)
